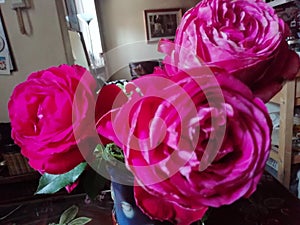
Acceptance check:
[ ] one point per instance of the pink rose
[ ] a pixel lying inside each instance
(244, 37)
(190, 141)
(158, 208)
(52, 114)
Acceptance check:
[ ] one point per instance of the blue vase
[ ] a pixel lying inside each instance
(126, 212)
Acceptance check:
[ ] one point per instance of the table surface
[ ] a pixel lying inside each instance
(271, 204)
(49, 210)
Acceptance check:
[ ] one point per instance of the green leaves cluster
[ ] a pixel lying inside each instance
(93, 181)
(50, 183)
(68, 217)
(110, 153)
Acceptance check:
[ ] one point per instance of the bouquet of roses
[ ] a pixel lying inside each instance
(194, 134)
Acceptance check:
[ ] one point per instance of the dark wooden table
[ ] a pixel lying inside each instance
(48, 210)
(271, 204)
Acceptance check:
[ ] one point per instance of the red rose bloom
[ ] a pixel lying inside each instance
(191, 141)
(243, 37)
(52, 114)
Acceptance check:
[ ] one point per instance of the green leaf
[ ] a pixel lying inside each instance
(206, 216)
(80, 221)
(68, 215)
(50, 183)
(112, 151)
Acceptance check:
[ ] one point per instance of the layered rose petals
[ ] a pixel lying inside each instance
(192, 141)
(167, 210)
(51, 113)
(244, 37)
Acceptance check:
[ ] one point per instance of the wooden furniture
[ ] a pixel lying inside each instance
(271, 204)
(18, 181)
(48, 210)
(18, 188)
(284, 154)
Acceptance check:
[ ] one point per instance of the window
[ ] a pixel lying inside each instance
(83, 18)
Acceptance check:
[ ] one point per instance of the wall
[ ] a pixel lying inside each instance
(122, 25)
(38, 50)
(123, 35)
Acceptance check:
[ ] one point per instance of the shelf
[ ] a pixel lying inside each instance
(297, 102)
(296, 155)
(284, 154)
(274, 155)
(278, 98)
(295, 159)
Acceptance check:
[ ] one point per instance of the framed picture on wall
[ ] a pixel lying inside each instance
(7, 63)
(161, 23)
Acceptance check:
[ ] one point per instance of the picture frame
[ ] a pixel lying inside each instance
(161, 23)
(7, 62)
